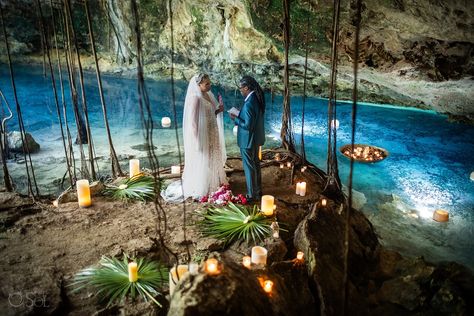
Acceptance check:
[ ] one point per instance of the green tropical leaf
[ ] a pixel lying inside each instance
(234, 222)
(139, 187)
(111, 284)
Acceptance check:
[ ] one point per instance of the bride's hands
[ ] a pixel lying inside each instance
(221, 104)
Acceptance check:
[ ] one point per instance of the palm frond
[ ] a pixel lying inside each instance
(139, 187)
(233, 222)
(111, 283)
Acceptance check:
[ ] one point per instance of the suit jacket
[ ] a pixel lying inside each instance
(251, 132)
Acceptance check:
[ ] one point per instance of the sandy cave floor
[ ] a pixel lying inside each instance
(42, 250)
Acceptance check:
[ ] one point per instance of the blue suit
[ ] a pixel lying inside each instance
(251, 135)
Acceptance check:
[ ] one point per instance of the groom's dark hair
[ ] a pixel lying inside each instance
(252, 84)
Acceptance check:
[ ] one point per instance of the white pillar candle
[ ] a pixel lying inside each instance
(246, 261)
(441, 216)
(300, 255)
(132, 272)
(83, 193)
(298, 188)
(174, 276)
(303, 188)
(472, 176)
(268, 206)
(175, 169)
(323, 202)
(165, 122)
(259, 255)
(288, 164)
(282, 166)
(235, 130)
(134, 165)
(335, 124)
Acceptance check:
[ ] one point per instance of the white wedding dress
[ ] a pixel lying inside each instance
(204, 148)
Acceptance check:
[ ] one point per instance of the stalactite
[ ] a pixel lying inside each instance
(113, 156)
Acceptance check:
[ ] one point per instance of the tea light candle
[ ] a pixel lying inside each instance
(212, 266)
(235, 130)
(177, 274)
(267, 286)
(165, 122)
(259, 255)
(300, 255)
(323, 202)
(441, 216)
(132, 271)
(134, 165)
(268, 205)
(175, 169)
(246, 261)
(83, 193)
(259, 152)
(288, 164)
(282, 166)
(303, 188)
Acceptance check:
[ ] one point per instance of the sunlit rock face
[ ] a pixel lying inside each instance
(415, 53)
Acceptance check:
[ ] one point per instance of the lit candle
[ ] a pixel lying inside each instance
(246, 262)
(132, 271)
(83, 193)
(176, 276)
(282, 166)
(166, 122)
(175, 169)
(259, 152)
(472, 176)
(303, 169)
(303, 188)
(235, 130)
(259, 255)
(134, 167)
(268, 286)
(268, 205)
(288, 164)
(298, 188)
(441, 216)
(212, 266)
(324, 202)
(335, 124)
(300, 255)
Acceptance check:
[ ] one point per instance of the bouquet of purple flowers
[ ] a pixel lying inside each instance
(223, 196)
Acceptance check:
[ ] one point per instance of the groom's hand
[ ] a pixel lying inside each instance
(232, 116)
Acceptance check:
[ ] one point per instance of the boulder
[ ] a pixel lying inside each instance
(15, 144)
(238, 291)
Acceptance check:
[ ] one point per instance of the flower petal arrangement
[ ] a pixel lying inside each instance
(223, 196)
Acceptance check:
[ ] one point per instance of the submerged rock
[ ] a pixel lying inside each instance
(15, 144)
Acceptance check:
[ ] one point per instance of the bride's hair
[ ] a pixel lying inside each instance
(200, 77)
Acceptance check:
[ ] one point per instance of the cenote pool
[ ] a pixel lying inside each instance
(428, 167)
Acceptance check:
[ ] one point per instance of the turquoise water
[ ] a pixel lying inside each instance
(428, 167)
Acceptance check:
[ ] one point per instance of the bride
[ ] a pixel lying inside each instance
(204, 146)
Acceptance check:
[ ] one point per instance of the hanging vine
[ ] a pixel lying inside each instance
(4, 145)
(26, 151)
(116, 171)
(286, 133)
(303, 151)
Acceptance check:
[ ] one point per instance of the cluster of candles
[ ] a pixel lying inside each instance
(301, 188)
(365, 153)
(288, 165)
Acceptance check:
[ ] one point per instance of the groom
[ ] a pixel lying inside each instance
(251, 134)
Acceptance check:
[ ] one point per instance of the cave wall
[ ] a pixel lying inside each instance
(417, 53)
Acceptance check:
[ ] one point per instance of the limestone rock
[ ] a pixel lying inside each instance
(237, 291)
(404, 291)
(15, 143)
